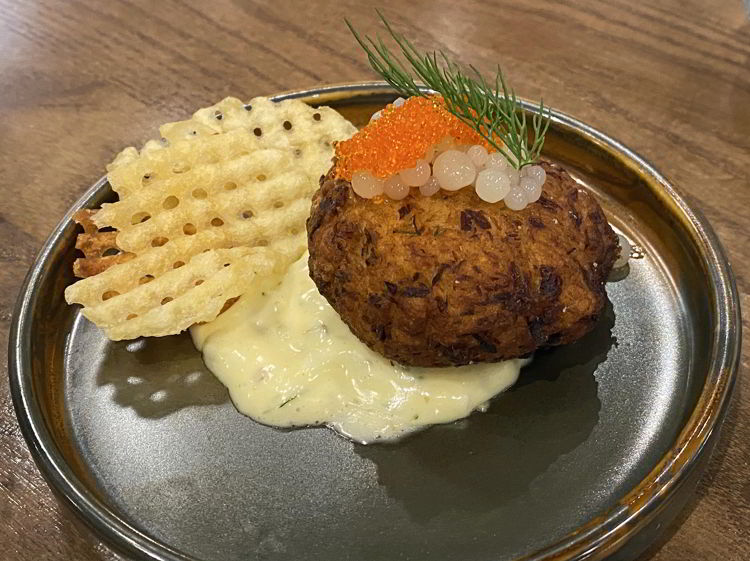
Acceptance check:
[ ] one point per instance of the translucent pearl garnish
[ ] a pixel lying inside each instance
(376, 116)
(395, 188)
(399, 102)
(478, 155)
(453, 169)
(514, 177)
(416, 176)
(365, 185)
(430, 188)
(492, 185)
(515, 199)
(496, 160)
(531, 187)
(625, 250)
(537, 173)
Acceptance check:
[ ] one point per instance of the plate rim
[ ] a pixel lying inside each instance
(594, 540)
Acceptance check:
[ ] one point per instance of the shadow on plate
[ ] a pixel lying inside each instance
(487, 460)
(157, 376)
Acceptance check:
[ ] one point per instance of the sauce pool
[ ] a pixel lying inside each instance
(288, 360)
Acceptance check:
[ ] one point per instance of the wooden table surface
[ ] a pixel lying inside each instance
(81, 80)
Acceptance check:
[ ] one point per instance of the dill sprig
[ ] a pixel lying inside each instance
(494, 112)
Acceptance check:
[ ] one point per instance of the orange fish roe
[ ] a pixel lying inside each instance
(400, 137)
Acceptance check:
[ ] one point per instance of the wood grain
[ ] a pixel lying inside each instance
(80, 80)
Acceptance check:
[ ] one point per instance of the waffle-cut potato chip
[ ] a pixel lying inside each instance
(215, 210)
(251, 200)
(145, 268)
(99, 248)
(175, 300)
(165, 263)
(291, 124)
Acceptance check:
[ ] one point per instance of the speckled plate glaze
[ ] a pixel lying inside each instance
(597, 446)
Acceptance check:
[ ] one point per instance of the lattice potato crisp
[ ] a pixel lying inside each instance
(204, 215)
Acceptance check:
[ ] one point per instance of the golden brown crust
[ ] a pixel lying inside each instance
(451, 279)
(99, 248)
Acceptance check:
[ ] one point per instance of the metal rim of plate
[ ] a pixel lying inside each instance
(596, 539)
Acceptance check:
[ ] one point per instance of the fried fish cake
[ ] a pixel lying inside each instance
(449, 280)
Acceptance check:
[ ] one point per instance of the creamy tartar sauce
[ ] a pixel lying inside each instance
(289, 360)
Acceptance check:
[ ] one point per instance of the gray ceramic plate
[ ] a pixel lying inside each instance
(587, 456)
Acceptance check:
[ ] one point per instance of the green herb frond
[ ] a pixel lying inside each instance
(490, 108)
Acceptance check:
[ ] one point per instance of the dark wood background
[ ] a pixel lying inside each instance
(81, 80)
